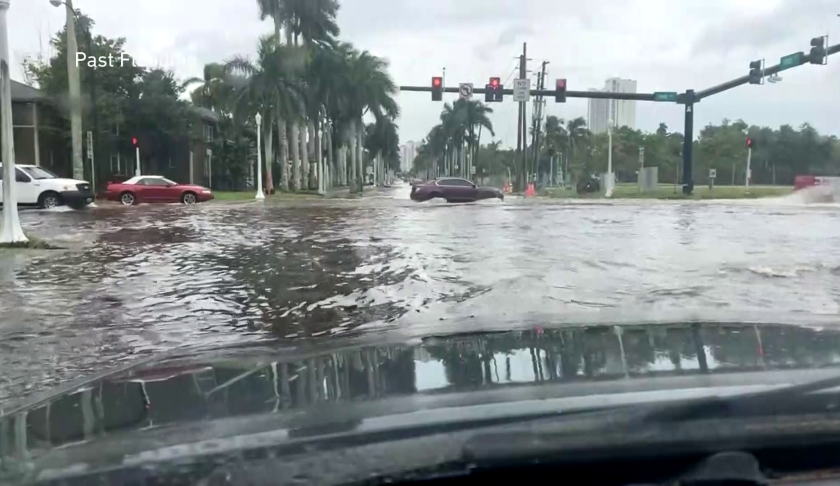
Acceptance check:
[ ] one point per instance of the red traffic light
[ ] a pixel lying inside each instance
(749, 142)
(561, 83)
(134, 141)
(437, 81)
(494, 82)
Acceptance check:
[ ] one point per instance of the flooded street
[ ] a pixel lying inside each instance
(141, 280)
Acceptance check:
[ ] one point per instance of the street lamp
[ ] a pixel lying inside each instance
(260, 195)
(11, 232)
(75, 89)
(609, 179)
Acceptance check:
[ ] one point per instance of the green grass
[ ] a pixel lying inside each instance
(249, 195)
(34, 243)
(667, 191)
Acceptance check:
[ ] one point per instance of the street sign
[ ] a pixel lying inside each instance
(712, 173)
(465, 90)
(522, 90)
(669, 96)
(370, 170)
(472, 170)
(791, 60)
(90, 145)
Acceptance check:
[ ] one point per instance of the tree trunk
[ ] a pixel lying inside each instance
(342, 165)
(317, 153)
(268, 142)
(283, 149)
(304, 155)
(360, 127)
(733, 172)
(293, 142)
(330, 155)
(354, 187)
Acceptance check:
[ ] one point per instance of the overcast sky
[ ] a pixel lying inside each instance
(665, 45)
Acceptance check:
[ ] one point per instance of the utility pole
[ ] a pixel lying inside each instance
(522, 123)
(538, 114)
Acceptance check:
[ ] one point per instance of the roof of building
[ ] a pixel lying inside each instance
(205, 114)
(24, 93)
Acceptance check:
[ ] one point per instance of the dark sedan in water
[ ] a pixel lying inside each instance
(453, 190)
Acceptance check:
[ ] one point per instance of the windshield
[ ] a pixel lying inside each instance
(326, 173)
(39, 173)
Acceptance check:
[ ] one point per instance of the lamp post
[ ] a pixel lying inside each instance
(260, 195)
(609, 179)
(11, 232)
(75, 89)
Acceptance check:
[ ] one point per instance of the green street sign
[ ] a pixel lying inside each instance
(791, 60)
(665, 96)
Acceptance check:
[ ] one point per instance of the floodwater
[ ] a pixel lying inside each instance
(141, 280)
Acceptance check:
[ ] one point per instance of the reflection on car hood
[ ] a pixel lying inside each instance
(67, 182)
(303, 383)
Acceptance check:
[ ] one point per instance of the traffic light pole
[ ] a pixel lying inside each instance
(688, 143)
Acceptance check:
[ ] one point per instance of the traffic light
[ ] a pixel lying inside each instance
(437, 88)
(757, 72)
(750, 143)
(134, 141)
(560, 93)
(493, 91)
(818, 52)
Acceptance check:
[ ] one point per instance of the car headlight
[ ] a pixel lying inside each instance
(67, 188)
(206, 191)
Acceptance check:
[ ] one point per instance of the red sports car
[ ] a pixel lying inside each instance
(155, 189)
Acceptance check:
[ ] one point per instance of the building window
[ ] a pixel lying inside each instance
(208, 133)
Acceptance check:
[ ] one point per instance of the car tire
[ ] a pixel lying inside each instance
(128, 199)
(49, 200)
(189, 198)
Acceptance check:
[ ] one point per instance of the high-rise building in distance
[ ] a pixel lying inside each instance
(408, 152)
(622, 113)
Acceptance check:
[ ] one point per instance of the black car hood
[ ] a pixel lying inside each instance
(325, 387)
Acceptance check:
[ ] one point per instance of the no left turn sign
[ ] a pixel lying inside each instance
(465, 90)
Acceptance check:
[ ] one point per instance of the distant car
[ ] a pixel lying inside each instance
(453, 190)
(155, 189)
(36, 186)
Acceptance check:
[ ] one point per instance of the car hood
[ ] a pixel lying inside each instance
(64, 182)
(196, 395)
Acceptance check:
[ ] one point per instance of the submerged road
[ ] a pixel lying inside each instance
(140, 280)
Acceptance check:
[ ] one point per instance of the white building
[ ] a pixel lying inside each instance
(621, 112)
(408, 152)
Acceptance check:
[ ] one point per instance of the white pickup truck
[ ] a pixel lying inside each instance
(36, 186)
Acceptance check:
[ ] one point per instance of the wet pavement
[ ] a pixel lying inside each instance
(141, 280)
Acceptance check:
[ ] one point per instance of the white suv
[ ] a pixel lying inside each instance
(36, 186)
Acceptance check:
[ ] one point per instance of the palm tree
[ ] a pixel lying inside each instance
(368, 89)
(273, 88)
(276, 9)
(313, 20)
(382, 142)
(476, 114)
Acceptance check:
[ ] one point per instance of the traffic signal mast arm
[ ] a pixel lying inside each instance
(548, 92)
(768, 71)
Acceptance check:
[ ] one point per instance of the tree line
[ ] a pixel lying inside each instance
(312, 90)
(569, 147)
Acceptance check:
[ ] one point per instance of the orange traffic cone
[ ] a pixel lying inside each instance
(530, 192)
